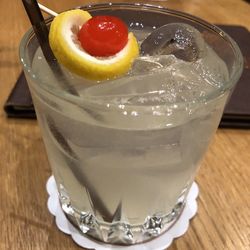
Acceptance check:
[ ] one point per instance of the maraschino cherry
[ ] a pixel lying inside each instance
(103, 36)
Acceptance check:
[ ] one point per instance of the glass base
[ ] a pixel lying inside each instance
(122, 233)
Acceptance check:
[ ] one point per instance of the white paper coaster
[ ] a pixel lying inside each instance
(161, 242)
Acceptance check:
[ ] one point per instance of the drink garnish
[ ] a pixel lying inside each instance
(97, 48)
(103, 35)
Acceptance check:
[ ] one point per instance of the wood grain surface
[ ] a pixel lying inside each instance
(223, 219)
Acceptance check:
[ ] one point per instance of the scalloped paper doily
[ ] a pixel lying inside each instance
(159, 243)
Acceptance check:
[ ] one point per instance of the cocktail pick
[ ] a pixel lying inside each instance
(47, 10)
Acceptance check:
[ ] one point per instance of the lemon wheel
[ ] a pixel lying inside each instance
(68, 51)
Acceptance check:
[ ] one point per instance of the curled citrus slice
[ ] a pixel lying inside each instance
(64, 42)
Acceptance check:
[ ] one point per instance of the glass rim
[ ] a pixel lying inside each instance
(62, 94)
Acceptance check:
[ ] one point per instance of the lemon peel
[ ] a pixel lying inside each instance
(68, 51)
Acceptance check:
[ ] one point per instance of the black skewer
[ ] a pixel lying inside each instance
(41, 32)
(39, 27)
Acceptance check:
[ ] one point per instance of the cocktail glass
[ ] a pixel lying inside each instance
(123, 170)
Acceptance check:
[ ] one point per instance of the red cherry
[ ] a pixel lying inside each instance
(103, 35)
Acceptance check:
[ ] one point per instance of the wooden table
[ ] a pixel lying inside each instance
(223, 219)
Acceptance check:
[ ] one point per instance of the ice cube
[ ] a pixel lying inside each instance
(146, 64)
(212, 69)
(146, 76)
(179, 39)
